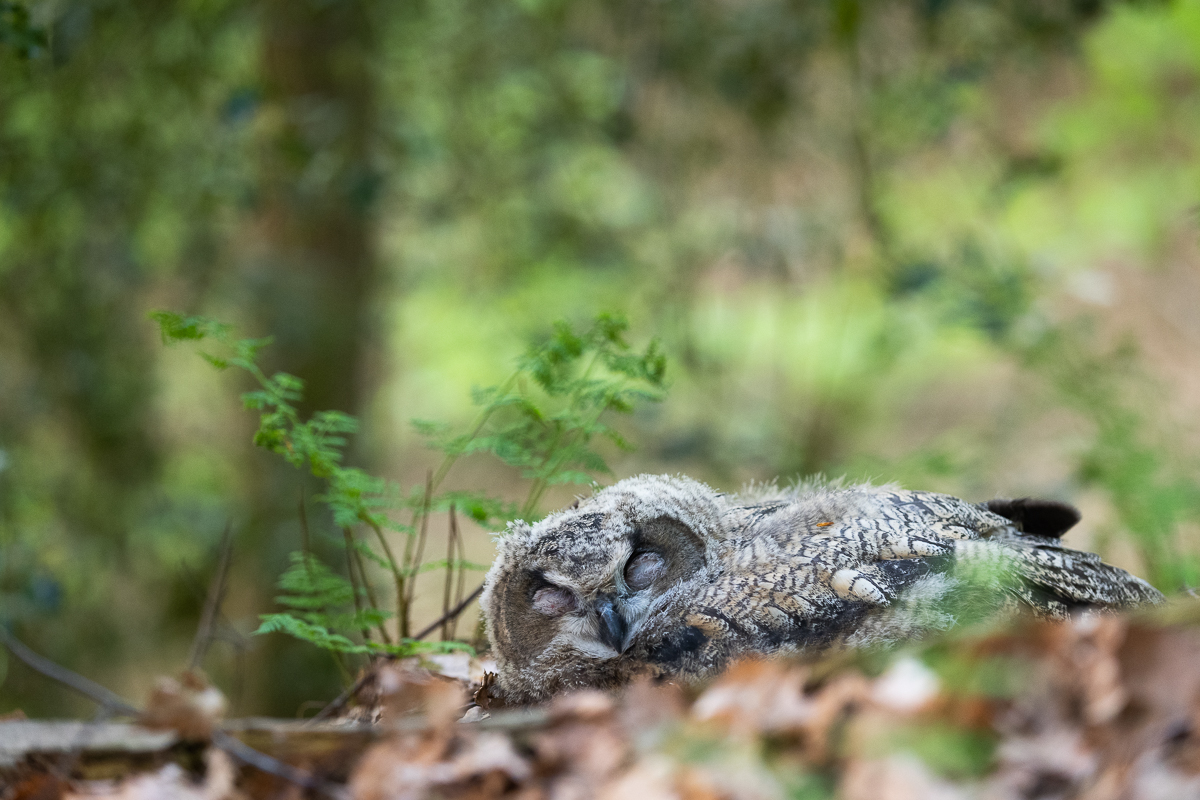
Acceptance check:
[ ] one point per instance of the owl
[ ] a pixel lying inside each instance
(662, 575)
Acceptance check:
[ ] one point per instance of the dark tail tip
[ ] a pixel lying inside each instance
(1037, 517)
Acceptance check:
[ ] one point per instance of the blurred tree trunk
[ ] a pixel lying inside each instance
(312, 271)
(313, 276)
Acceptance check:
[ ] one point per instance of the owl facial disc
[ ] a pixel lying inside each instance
(566, 597)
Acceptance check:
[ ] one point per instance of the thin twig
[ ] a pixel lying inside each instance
(462, 574)
(412, 557)
(339, 658)
(522, 719)
(454, 612)
(223, 631)
(451, 538)
(271, 765)
(114, 702)
(349, 539)
(362, 571)
(397, 575)
(304, 537)
(72, 680)
(346, 696)
(212, 603)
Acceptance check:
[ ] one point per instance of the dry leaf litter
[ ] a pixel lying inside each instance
(1097, 708)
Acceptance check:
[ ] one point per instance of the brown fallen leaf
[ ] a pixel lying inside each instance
(648, 708)
(39, 786)
(592, 750)
(651, 778)
(897, 777)
(169, 782)
(1093, 641)
(757, 696)
(588, 705)
(405, 687)
(1055, 762)
(189, 706)
(416, 766)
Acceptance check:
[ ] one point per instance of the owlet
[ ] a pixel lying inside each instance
(665, 576)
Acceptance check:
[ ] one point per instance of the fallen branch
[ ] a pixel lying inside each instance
(72, 680)
(108, 699)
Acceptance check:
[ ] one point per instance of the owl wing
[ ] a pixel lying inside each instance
(861, 566)
(1006, 545)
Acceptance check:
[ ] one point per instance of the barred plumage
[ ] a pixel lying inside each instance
(663, 575)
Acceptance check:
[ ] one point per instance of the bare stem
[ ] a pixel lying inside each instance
(462, 574)
(349, 539)
(451, 538)
(306, 543)
(413, 556)
(454, 612)
(362, 571)
(397, 576)
(212, 603)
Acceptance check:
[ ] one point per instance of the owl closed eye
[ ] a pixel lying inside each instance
(643, 569)
(554, 601)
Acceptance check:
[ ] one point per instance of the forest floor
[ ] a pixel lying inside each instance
(1100, 707)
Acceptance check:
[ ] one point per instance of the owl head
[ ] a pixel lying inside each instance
(566, 597)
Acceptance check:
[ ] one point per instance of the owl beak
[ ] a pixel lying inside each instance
(612, 625)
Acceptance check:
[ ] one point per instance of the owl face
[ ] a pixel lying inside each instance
(567, 597)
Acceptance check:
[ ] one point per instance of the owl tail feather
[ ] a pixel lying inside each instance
(1050, 578)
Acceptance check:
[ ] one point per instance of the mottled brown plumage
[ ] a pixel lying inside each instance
(663, 575)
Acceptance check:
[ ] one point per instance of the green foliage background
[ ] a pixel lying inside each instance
(947, 243)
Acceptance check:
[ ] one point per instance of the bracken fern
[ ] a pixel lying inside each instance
(542, 420)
